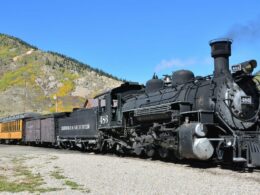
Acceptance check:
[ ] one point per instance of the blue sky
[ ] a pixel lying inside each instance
(132, 39)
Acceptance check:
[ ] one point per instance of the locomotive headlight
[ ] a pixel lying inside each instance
(245, 67)
(200, 130)
(249, 66)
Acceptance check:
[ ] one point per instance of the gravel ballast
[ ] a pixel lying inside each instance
(73, 172)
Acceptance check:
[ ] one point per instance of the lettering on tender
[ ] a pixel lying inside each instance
(75, 127)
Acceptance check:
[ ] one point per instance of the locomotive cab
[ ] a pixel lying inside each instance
(109, 105)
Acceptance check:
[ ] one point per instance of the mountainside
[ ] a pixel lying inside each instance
(31, 78)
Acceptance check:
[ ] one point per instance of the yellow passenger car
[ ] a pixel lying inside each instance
(11, 128)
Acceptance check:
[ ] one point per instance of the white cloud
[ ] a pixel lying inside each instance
(177, 63)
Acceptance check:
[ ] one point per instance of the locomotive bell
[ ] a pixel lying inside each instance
(220, 51)
(154, 84)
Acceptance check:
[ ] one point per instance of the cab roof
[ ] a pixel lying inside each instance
(122, 88)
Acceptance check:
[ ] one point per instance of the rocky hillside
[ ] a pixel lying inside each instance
(30, 78)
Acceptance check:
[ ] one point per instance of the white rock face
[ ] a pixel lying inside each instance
(81, 91)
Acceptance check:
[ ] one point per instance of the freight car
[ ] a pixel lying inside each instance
(203, 118)
(42, 129)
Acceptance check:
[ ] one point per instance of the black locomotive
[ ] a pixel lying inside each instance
(203, 118)
(213, 117)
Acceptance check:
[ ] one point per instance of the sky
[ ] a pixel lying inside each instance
(133, 39)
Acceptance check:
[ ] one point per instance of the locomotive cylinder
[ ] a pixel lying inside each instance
(192, 146)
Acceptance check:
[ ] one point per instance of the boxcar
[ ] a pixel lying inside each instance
(32, 130)
(12, 128)
(49, 124)
(42, 129)
(79, 129)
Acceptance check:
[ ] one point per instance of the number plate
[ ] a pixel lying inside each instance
(236, 68)
(246, 100)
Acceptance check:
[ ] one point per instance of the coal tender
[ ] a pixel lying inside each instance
(78, 129)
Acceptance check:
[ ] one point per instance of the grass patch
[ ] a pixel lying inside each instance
(23, 180)
(18, 186)
(17, 78)
(21, 186)
(57, 174)
(75, 186)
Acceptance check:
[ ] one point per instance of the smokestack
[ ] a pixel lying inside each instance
(220, 51)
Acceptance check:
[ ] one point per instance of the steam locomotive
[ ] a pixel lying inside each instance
(215, 117)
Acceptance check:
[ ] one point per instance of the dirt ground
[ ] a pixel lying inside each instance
(26, 169)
